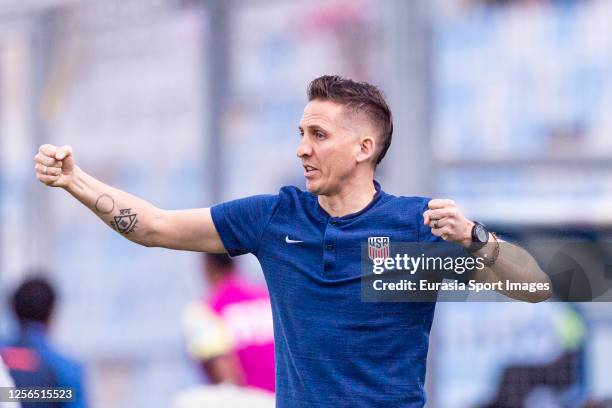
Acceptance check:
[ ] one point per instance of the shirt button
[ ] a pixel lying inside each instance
(333, 222)
(330, 247)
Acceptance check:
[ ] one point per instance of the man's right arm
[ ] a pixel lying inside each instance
(134, 218)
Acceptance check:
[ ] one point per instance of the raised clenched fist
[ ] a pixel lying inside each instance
(447, 221)
(54, 165)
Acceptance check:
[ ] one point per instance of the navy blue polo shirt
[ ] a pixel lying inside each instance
(332, 350)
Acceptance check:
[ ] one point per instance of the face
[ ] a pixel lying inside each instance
(332, 145)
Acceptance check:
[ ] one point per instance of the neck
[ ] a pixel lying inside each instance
(217, 279)
(33, 325)
(353, 197)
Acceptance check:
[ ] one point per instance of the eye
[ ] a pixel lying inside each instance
(320, 135)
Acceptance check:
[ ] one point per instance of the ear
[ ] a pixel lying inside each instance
(367, 148)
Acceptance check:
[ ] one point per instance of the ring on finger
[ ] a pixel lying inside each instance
(435, 223)
(45, 170)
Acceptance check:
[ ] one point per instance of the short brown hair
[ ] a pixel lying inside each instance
(360, 97)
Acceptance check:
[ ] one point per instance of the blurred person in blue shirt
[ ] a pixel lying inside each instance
(30, 357)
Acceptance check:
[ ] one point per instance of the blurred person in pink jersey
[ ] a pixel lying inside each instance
(230, 332)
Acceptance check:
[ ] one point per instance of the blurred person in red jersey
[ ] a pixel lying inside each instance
(230, 332)
(31, 358)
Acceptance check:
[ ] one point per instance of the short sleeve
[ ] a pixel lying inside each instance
(206, 336)
(241, 223)
(445, 249)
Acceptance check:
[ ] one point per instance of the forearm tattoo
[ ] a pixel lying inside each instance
(105, 204)
(125, 222)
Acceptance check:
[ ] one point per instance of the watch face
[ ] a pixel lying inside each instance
(481, 233)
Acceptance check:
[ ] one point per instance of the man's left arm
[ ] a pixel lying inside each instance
(511, 263)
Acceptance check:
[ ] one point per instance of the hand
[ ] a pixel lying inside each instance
(448, 222)
(54, 165)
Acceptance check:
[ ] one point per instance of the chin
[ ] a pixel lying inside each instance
(318, 188)
(313, 187)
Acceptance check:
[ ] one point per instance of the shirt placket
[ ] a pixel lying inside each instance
(330, 247)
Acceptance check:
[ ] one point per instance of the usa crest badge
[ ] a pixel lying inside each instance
(378, 247)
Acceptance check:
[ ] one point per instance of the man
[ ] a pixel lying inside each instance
(231, 333)
(332, 350)
(32, 360)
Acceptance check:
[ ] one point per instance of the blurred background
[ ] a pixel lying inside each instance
(501, 105)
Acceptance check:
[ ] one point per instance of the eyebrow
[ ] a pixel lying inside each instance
(313, 128)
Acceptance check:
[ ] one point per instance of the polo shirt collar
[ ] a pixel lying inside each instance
(321, 212)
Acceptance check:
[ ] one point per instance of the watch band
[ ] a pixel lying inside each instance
(491, 261)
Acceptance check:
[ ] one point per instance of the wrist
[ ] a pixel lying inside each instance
(490, 250)
(466, 242)
(75, 181)
(486, 248)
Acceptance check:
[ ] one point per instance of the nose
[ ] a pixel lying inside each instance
(304, 148)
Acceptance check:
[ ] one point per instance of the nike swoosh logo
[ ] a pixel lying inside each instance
(291, 241)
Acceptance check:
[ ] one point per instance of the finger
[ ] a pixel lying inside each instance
(47, 161)
(48, 171)
(63, 152)
(48, 150)
(440, 203)
(443, 232)
(435, 224)
(46, 179)
(441, 213)
(448, 223)
(426, 219)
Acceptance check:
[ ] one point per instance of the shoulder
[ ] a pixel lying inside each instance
(197, 312)
(69, 370)
(270, 201)
(293, 198)
(416, 204)
(407, 212)
(414, 201)
(293, 192)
